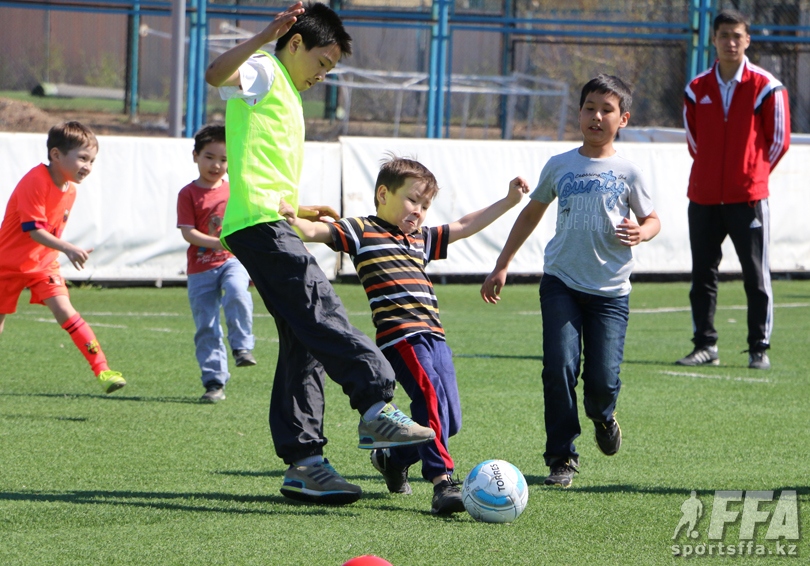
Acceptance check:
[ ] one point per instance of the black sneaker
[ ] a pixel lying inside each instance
(608, 436)
(758, 359)
(562, 473)
(244, 358)
(447, 498)
(396, 477)
(213, 393)
(702, 356)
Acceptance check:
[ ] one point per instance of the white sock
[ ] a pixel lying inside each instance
(309, 461)
(374, 411)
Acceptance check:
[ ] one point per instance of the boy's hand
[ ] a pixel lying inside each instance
(287, 211)
(491, 289)
(76, 255)
(517, 188)
(629, 233)
(318, 213)
(282, 23)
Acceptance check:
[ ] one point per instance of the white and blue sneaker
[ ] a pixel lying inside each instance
(391, 428)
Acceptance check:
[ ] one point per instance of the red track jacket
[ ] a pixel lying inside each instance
(734, 155)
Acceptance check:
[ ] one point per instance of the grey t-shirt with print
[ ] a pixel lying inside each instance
(594, 195)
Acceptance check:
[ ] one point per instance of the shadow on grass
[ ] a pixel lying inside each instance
(498, 356)
(114, 397)
(43, 418)
(183, 501)
(801, 492)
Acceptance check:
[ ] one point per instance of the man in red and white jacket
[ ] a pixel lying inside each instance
(737, 122)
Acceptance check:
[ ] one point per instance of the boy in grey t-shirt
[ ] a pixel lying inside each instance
(584, 292)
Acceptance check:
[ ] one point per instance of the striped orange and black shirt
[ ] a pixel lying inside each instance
(391, 266)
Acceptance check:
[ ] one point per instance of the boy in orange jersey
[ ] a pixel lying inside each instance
(30, 241)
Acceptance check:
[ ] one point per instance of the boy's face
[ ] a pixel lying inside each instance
(405, 208)
(309, 67)
(600, 118)
(74, 165)
(731, 41)
(212, 162)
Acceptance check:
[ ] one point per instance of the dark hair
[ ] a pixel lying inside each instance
(396, 170)
(318, 26)
(208, 134)
(608, 84)
(70, 135)
(731, 17)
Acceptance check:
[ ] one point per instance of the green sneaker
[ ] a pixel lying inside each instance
(319, 484)
(111, 380)
(392, 427)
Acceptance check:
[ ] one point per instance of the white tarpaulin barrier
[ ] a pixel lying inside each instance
(126, 210)
(473, 174)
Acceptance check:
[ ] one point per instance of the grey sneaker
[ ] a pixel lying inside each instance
(319, 484)
(392, 427)
(213, 393)
(608, 436)
(396, 477)
(446, 498)
(705, 355)
(758, 360)
(562, 473)
(243, 358)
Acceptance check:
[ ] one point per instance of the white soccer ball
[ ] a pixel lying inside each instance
(495, 491)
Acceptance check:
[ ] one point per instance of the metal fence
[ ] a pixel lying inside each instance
(653, 44)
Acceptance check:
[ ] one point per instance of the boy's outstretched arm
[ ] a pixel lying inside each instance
(476, 221)
(632, 234)
(309, 231)
(75, 254)
(525, 224)
(224, 70)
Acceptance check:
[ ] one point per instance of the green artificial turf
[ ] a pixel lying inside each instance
(148, 475)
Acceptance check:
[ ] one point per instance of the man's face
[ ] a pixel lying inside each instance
(309, 67)
(731, 41)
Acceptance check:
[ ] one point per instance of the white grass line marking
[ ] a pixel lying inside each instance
(101, 324)
(688, 309)
(724, 377)
(139, 314)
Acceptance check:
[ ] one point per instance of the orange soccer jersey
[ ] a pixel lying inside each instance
(36, 203)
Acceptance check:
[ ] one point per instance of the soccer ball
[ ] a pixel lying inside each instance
(495, 491)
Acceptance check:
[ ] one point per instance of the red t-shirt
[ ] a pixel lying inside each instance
(203, 209)
(36, 203)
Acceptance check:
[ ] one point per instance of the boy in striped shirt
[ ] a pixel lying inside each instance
(390, 252)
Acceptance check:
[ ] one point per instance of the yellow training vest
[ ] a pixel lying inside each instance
(265, 145)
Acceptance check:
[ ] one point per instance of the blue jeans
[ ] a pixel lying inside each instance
(576, 323)
(225, 286)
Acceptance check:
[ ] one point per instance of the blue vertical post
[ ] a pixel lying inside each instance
(438, 67)
(202, 63)
(506, 63)
(193, 69)
(701, 16)
(134, 48)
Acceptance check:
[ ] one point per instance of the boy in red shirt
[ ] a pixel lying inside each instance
(215, 277)
(30, 241)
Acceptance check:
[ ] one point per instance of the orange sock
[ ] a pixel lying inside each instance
(82, 335)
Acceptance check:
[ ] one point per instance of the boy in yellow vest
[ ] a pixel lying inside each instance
(265, 146)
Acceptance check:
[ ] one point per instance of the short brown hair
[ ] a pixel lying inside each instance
(70, 135)
(732, 17)
(395, 170)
